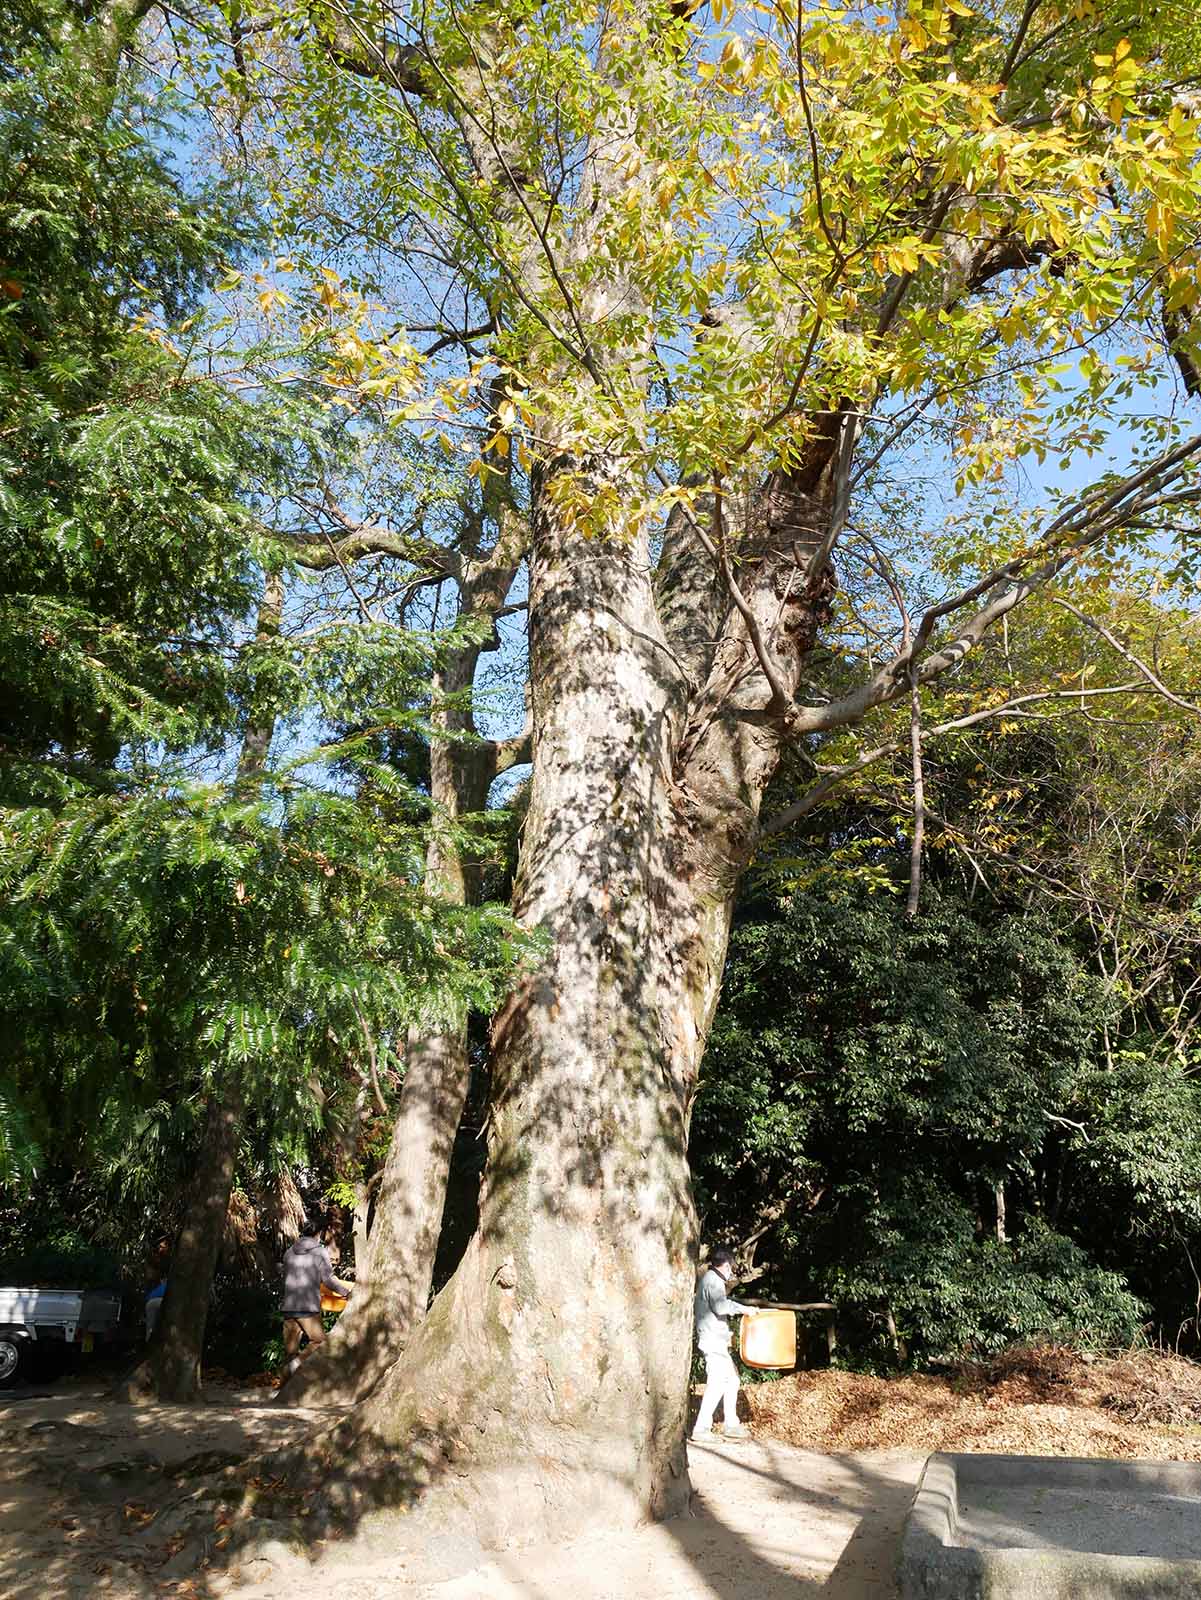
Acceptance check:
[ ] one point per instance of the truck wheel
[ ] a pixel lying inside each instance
(12, 1360)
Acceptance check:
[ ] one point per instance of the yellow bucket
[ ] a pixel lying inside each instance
(768, 1339)
(331, 1301)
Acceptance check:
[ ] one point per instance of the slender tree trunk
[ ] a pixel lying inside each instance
(392, 1293)
(392, 1288)
(913, 900)
(184, 1317)
(171, 1370)
(900, 1349)
(359, 1239)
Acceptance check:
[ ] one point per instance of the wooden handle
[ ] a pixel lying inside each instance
(789, 1305)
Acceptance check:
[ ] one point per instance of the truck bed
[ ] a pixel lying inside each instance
(73, 1311)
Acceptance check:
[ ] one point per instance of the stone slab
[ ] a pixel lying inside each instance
(986, 1527)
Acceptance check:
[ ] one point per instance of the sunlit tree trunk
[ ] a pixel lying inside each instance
(551, 1373)
(393, 1291)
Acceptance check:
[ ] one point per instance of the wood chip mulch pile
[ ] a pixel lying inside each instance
(1029, 1401)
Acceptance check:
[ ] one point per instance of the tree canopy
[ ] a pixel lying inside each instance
(701, 378)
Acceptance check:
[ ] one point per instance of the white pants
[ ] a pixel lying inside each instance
(721, 1383)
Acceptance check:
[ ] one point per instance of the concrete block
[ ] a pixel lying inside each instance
(986, 1527)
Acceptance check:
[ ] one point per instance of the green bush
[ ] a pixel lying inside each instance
(876, 1082)
(60, 1258)
(243, 1332)
(955, 1296)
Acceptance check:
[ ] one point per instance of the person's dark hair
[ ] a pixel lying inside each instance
(721, 1257)
(310, 1229)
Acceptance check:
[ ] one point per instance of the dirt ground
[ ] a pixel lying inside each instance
(117, 1502)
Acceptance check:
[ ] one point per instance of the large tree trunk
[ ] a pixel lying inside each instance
(548, 1383)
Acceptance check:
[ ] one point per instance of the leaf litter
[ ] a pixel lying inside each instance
(1033, 1400)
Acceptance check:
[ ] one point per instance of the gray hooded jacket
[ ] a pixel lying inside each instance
(713, 1306)
(306, 1267)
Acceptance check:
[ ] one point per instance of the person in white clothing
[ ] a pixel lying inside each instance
(713, 1307)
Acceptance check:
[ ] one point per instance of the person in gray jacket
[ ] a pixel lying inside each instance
(713, 1306)
(306, 1267)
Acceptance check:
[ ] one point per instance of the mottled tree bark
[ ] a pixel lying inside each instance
(548, 1382)
(547, 1385)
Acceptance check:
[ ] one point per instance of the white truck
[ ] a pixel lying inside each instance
(29, 1317)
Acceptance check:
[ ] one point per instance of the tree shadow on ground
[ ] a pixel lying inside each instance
(103, 1499)
(815, 1524)
(91, 1489)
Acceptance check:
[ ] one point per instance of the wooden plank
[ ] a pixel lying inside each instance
(789, 1305)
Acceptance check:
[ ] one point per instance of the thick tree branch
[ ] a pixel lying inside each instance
(1077, 529)
(395, 65)
(362, 538)
(516, 752)
(1019, 39)
(1181, 335)
(781, 695)
(115, 26)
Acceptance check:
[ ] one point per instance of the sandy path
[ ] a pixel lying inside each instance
(767, 1521)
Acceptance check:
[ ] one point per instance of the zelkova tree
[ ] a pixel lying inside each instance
(709, 289)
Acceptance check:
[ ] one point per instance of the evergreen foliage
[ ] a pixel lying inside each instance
(179, 924)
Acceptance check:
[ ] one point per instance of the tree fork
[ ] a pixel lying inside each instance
(393, 1293)
(552, 1371)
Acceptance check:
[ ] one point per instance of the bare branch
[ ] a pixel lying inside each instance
(830, 780)
(372, 1059)
(1019, 39)
(781, 695)
(364, 610)
(365, 538)
(1077, 529)
(1128, 655)
(451, 336)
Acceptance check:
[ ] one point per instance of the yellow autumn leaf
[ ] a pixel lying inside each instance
(269, 298)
